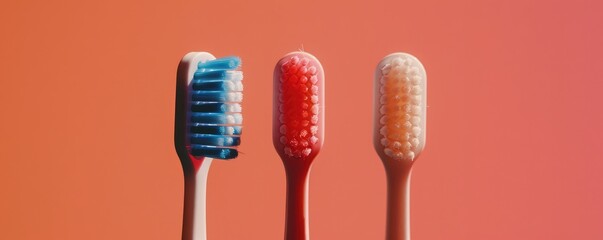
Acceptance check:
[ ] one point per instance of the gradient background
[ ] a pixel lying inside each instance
(515, 123)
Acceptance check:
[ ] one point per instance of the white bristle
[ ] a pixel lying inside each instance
(238, 119)
(314, 130)
(230, 119)
(235, 107)
(415, 120)
(234, 75)
(230, 86)
(238, 86)
(234, 97)
(230, 130)
(306, 151)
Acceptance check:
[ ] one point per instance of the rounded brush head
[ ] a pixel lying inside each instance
(400, 108)
(208, 110)
(298, 114)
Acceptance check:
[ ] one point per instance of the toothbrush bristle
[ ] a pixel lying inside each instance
(214, 113)
(401, 107)
(298, 105)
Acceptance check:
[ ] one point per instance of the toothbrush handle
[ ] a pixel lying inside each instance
(398, 205)
(195, 184)
(296, 219)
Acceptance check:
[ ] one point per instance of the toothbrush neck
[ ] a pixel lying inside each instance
(398, 203)
(296, 223)
(195, 185)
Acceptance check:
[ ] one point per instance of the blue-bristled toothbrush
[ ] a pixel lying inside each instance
(207, 126)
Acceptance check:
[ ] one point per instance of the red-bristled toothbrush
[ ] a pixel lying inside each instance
(298, 131)
(208, 125)
(399, 132)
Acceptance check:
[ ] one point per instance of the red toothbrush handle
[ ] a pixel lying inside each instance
(296, 219)
(398, 204)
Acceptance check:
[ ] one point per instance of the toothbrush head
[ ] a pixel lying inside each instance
(298, 114)
(208, 110)
(399, 108)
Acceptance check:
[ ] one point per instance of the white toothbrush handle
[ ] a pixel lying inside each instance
(195, 185)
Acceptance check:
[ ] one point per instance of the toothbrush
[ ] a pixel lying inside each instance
(207, 126)
(399, 132)
(298, 131)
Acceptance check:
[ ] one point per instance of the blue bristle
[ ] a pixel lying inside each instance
(217, 130)
(210, 107)
(211, 96)
(211, 85)
(211, 75)
(213, 152)
(215, 140)
(222, 63)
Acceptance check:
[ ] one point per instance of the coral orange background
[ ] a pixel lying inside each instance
(515, 123)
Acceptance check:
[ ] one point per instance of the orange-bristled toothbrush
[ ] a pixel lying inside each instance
(399, 132)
